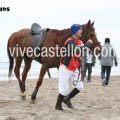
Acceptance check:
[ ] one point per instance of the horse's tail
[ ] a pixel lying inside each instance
(11, 61)
(11, 58)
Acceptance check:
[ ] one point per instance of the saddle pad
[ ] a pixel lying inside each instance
(38, 39)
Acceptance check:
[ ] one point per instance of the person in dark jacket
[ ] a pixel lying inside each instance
(106, 61)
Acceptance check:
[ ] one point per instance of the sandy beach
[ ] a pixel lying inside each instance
(95, 102)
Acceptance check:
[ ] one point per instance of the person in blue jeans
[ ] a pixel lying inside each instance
(89, 62)
(106, 61)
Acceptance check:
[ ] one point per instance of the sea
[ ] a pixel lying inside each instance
(35, 67)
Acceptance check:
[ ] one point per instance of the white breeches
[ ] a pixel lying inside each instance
(67, 76)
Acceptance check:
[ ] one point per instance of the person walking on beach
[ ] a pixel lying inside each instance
(89, 62)
(68, 69)
(106, 61)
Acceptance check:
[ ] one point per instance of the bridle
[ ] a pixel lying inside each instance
(87, 36)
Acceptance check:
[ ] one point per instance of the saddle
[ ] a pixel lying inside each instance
(39, 35)
(35, 29)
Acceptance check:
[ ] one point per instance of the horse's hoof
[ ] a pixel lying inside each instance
(32, 101)
(23, 96)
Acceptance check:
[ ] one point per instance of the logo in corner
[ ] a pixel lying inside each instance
(2, 9)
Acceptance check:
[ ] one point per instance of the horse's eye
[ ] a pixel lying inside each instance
(91, 35)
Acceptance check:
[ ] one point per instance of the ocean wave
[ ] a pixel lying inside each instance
(35, 70)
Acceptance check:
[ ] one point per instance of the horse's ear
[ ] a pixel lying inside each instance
(93, 23)
(89, 23)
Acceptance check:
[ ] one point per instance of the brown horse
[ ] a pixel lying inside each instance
(24, 38)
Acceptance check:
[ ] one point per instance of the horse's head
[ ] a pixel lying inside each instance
(89, 33)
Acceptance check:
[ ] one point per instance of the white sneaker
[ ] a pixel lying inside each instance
(103, 83)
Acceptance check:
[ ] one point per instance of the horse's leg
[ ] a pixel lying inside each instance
(17, 72)
(39, 82)
(27, 62)
(48, 71)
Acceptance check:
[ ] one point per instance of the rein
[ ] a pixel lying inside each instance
(87, 36)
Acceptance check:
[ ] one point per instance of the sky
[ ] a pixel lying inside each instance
(60, 15)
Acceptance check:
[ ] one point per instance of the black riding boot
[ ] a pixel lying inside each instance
(66, 100)
(58, 105)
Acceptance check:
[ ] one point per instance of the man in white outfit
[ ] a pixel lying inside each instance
(68, 70)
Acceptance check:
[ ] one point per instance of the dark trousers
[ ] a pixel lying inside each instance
(88, 66)
(105, 70)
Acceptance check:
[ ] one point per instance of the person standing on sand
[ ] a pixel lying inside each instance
(106, 61)
(89, 62)
(68, 69)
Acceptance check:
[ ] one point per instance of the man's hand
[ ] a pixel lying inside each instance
(81, 59)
